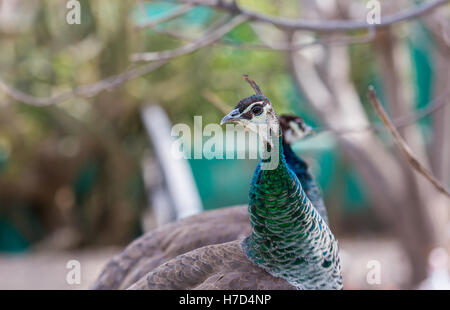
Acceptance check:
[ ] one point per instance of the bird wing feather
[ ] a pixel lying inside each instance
(171, 240)
(218, 266)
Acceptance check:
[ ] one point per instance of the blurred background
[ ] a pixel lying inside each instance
(83, 128)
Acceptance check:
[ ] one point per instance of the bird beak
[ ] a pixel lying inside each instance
(309, 131)
(233, 116)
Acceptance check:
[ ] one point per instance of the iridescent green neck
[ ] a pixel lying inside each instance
(289, 239)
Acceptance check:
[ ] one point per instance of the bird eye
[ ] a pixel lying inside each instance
(257, 109)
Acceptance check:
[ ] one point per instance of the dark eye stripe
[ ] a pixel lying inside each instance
(246, 102)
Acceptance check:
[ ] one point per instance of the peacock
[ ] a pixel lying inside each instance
(290, 245)
(171, 240)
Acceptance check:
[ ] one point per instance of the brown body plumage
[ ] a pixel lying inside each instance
(218, 266)
(167, 242)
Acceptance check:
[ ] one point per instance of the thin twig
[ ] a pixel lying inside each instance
(207, 39)
(81, 91)
(276, 47)
(321, 26)
(291, 46)
(401, 144)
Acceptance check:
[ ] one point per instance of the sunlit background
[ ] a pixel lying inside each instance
(81, 178)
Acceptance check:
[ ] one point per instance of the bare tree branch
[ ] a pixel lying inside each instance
(321, 26)
(81, 91)
(439, 27)
(401, 144)
(276, 47)
(207, 39)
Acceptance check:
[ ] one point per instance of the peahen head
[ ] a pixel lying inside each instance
(251, 112)
(294, 128)
(256, 113)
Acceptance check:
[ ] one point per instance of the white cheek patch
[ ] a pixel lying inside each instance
(289, 136)
(258, 123)
(296, 132)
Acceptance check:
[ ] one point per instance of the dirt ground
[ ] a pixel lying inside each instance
(48, 270)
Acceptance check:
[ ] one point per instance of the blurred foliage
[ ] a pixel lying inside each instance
(78, 164)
